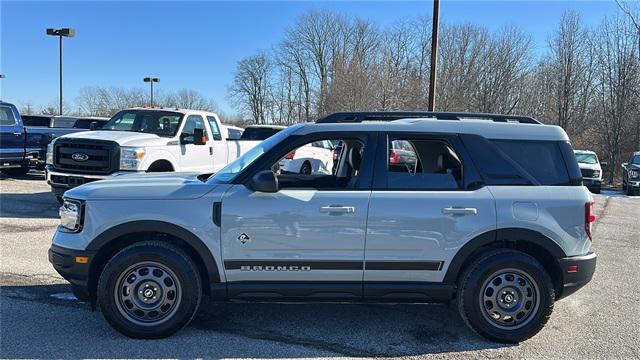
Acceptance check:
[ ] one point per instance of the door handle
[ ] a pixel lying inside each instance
(17, 133)
(453, 210)
(210, 150)
(336, 209)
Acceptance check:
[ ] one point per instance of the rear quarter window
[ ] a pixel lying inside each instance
(543, 160)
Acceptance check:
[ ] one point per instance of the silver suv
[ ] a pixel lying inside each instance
(473, 220)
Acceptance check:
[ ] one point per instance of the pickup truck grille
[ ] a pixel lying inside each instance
(587, 173)
(94, 156)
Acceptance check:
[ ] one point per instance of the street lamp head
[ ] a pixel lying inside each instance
(66, 32)
(151, 79)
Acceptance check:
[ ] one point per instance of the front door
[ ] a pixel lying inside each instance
(307, 239)
(11, 136)
(193, 157)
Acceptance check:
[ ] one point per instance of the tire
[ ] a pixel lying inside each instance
(21, 171)
(134, 277)
(629, 190)
(523, 282)
(305, 169)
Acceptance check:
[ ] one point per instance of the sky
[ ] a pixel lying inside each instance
(197, 45)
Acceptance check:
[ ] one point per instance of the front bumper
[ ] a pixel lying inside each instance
(592, 183)
(65, 262)
(634, 183)
(577, 271)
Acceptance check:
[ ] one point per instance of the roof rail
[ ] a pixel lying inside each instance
(357, 117)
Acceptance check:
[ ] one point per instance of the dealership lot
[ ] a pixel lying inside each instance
(39, 319)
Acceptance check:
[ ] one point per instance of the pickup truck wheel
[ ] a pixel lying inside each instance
(305, 169)
(21, 171)
(505, 296)
(149, 290)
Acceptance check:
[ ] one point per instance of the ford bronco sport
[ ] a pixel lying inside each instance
(466, 217)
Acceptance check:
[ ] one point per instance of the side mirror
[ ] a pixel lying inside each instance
(93, 125)
(604, 164)
(624, 165)
(264, 181)
(198, 137)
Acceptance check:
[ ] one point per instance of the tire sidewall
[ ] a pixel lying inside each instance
(177, 262)
(472, 289)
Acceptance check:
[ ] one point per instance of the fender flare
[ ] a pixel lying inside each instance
(179, 232)
(513, 235)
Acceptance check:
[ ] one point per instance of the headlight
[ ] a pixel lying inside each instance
(130, 157)
(71, 213)
(596, 173)
(50, 154)
(633, 174)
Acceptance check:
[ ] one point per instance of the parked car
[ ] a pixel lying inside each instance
(18, 150)
(591, 169)
(313, 158)
(260, 132)
(45, 128)
(631, 174)
(478, 222)
(141, 140)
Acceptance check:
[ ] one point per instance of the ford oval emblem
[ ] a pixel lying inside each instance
(80, 156)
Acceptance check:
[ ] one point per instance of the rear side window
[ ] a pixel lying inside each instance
(541, 159)
(6, 116)
(36, 121)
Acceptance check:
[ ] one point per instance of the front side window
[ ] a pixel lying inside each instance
(635, 160)
(193, 122)
(6, 116)
(422, 164)
(161, 123)
(317, 165)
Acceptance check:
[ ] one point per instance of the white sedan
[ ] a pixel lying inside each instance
(313, 158)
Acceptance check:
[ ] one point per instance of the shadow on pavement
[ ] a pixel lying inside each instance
(65, 328)
(42, 205)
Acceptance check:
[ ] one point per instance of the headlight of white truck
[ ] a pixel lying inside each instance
(131, 157)
(49, 159)
(71, 215)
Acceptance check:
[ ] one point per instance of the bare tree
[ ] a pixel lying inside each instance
(251, 86)
(189, 99)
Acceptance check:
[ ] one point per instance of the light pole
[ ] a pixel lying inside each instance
(151, 80)
(2, 76)
(434, 55)
(60, 33)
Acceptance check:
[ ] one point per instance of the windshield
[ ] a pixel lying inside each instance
(229, 172)
(161, 123)
(636, 160)
(587, 158)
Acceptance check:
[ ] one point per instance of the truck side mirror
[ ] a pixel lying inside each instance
(199, 137)
(93, 125)
(264, 181)
(624, 165)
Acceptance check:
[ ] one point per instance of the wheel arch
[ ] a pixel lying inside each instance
(531, 242)
(161, 165)
(114, 239)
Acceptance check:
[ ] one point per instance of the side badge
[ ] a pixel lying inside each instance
(244, 238)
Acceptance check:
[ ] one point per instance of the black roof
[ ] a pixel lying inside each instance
(357, 117)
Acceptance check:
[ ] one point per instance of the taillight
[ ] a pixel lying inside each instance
(290, 155)
(394, 158)
(589, 218)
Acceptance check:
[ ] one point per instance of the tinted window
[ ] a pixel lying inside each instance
(423, 164)
(234, 134)
(258, 133)
(39, 121)
(214, 128)
(86, 123)
(635, 160)
(541, 159)
(494, 167)
(6, 116)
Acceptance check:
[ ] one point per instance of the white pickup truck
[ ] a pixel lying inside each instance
(142, 140)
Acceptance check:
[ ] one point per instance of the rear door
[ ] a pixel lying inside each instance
(12, 136)
(424, 207)
(217, 144)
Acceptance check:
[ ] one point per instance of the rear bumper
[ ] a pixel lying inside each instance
(64, 262)
(577, 271)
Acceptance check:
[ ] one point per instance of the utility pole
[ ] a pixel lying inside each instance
(434, 55)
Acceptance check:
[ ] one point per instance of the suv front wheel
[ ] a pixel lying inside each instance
(149, 290)
(506, 296)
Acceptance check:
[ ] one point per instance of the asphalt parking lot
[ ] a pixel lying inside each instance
(39, 318)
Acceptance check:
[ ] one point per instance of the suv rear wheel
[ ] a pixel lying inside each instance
(506, 296)
(149, 290)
